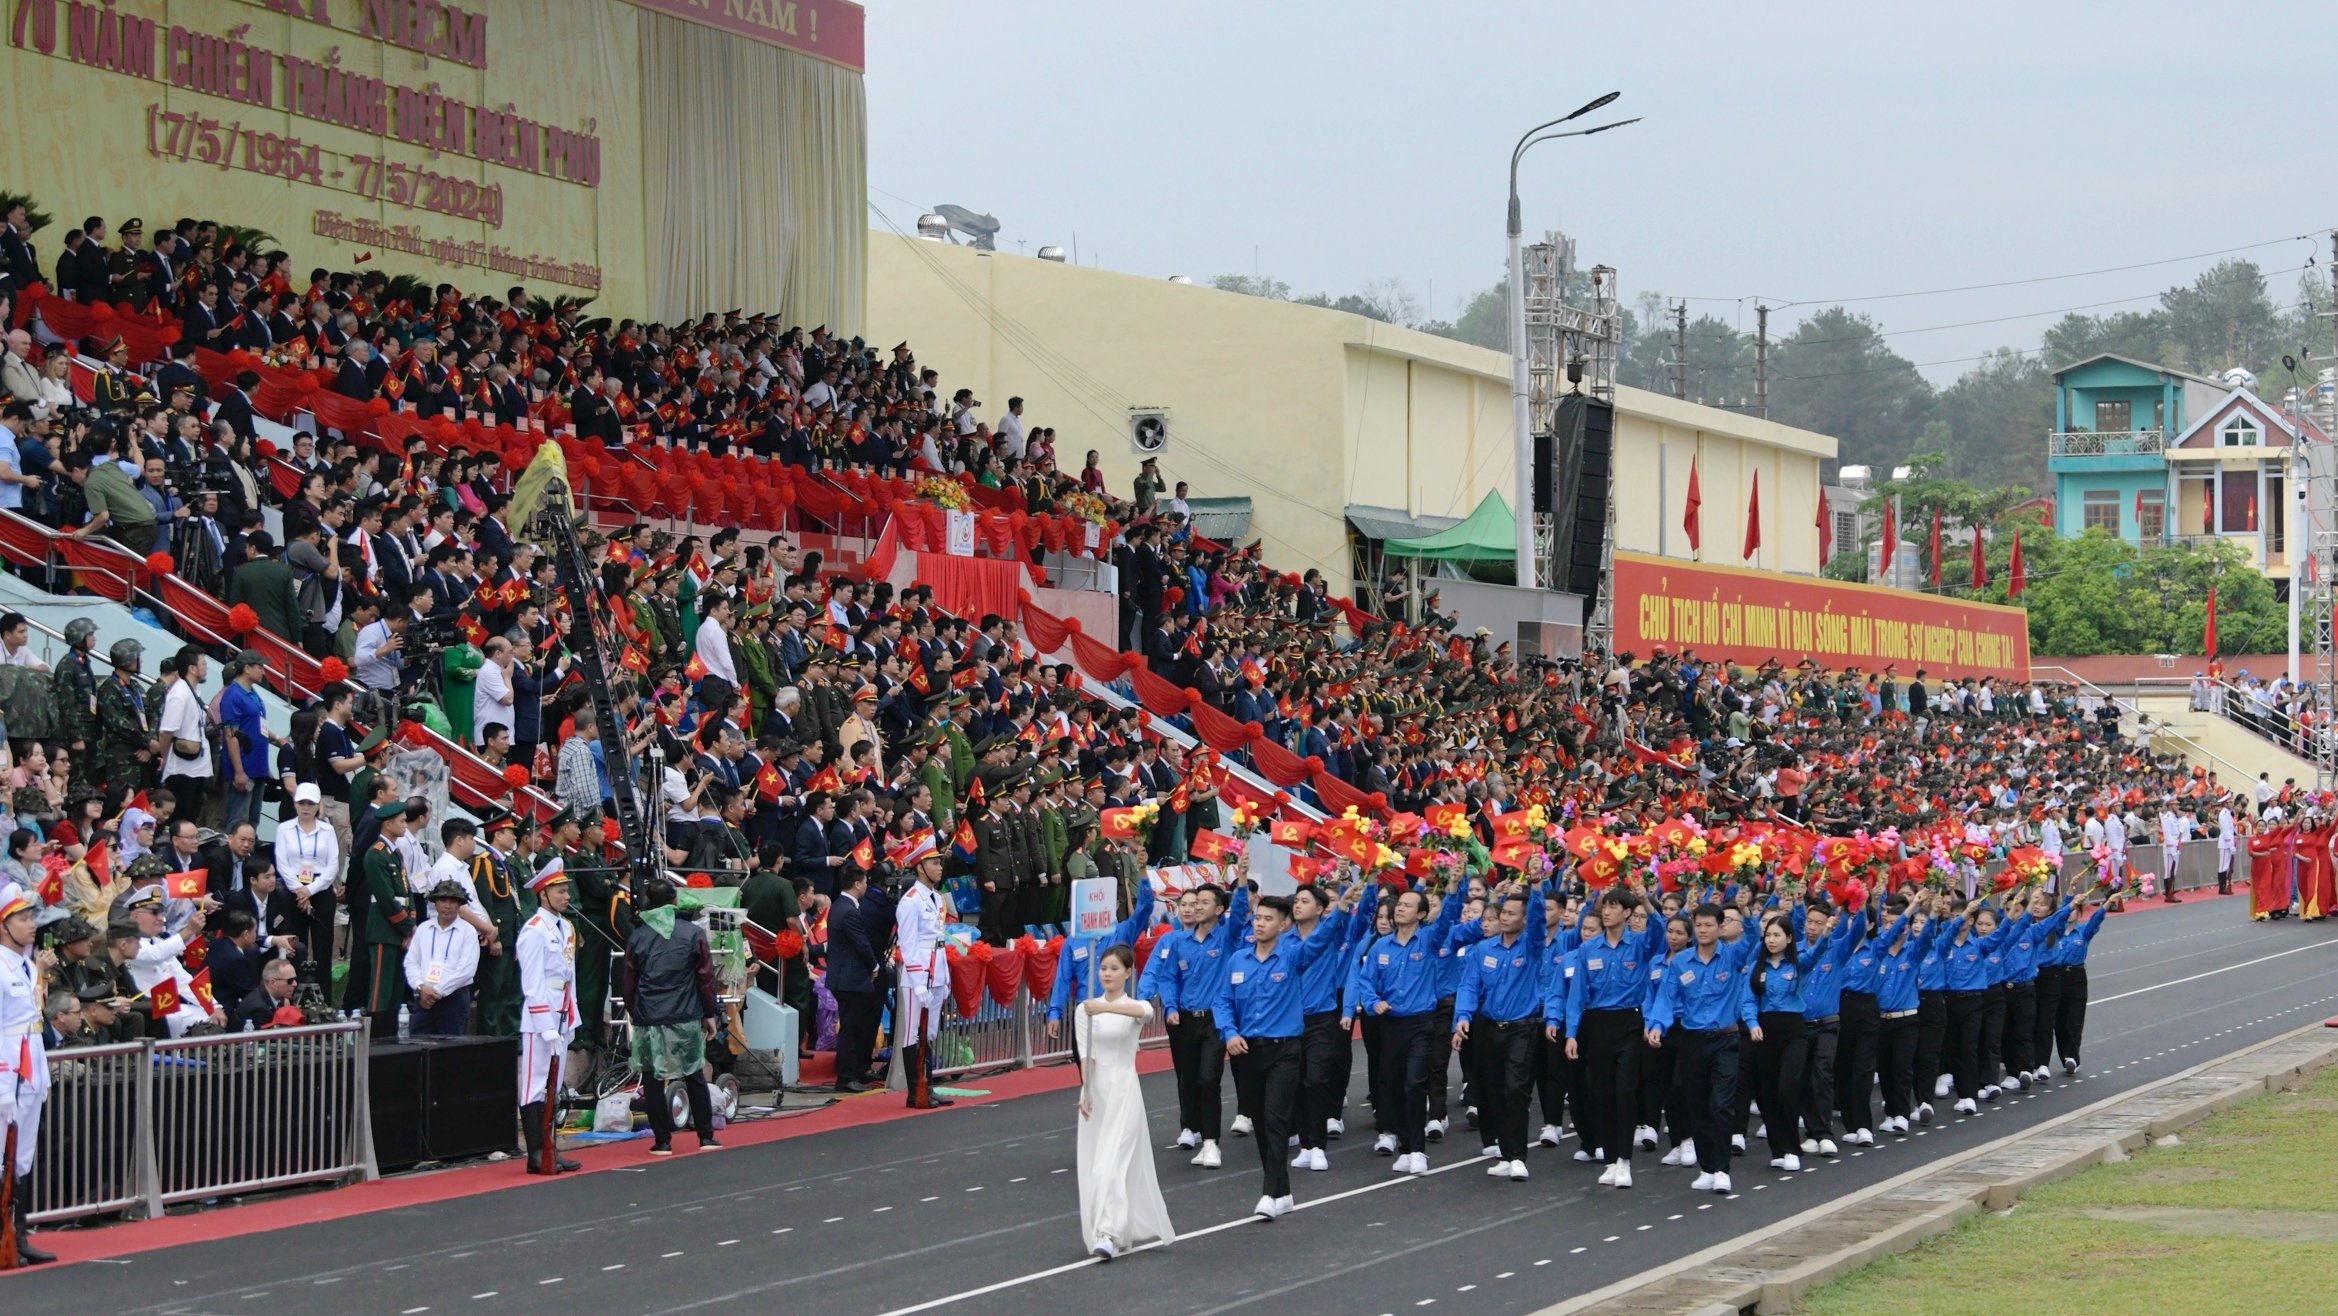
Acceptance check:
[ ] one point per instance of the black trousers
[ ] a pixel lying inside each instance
(1705, 1076)
(2070, 1014)
(1266, 1079)
(1855, 1061)
(1657, 1108)
(1993, 1034)
(1610, 1043)
(1441, 1061)
(1895, 1060)
(1551, 1083)
(661, 1111)
(1199, 1056)
(1323, 1058)
(1778, 1062)
(2048, 1013)
(1406, 1041)
(1965, 1011)
(1931, 1032)
(856, 1033)
(2021, 1019)
(1504, 1051)
(1818, 1078)
(1382, 1121)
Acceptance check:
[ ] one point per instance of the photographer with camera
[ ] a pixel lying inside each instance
(381, 645)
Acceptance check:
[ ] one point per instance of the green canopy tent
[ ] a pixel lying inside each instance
(1487, 534)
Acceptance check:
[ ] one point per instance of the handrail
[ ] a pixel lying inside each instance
(2321, 741)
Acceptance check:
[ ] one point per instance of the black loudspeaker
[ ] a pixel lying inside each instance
(1545, 479)
(1584, 465)
(395, 1093)
(443, 1099)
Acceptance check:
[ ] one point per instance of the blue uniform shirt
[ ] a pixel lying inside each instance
(1502, 980)
(1075, 968)
(1261, 995)
(1822, 966)
(1613, 976)
(1972, 961)
(1781, 987)
(1932, 968)
(1404, 972)
(2027, 949)
(2069, 949)
(1193, 969)
(1702, 995)
(1896, 974)
(1861, 965)
(1324, 978)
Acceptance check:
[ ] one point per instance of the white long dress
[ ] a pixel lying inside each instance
(1120, 1198)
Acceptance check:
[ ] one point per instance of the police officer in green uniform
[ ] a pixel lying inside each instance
(388, 922)
(504, 895)
(74, 687)
(124, 748)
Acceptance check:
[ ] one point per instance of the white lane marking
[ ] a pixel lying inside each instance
(2141, 991)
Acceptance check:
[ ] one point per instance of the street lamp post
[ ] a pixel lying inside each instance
(1521, 423)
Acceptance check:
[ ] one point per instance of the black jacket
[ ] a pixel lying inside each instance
(856, 941)
(669, 980)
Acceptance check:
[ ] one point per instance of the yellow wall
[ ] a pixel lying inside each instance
(1305, 410)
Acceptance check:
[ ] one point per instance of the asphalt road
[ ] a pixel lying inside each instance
(974, 1209)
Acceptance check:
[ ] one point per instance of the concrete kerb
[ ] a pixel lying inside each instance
(1770, 1269)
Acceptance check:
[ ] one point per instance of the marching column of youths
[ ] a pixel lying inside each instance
(1698, 1019)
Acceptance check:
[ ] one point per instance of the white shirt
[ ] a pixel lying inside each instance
(374, 672)
(1010, 432)
(306, 860)
(458, 871)
(182, 719)
(23, 657)
(491, 701)
(714, 650)
(442, 956)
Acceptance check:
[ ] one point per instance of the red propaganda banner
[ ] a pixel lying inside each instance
(833, 30)
(1744, 616)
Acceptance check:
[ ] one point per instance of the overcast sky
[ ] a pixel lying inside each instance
(1806, 153)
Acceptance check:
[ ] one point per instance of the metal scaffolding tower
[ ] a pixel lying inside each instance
(1562, 337)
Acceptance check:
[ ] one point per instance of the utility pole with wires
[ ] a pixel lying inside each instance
(1761, 361)
(1680, 350)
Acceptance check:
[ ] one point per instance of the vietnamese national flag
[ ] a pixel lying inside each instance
(1891, 536)
(188, 885)
(1420, 862)
(825, 780)
(474, 634)
(1514, 853)
(695, 668)
(1292, 832)
(1826, 530)
(2014, 578)
(1690, 521)
(769, 783)
(1753, 518)
(53, 887)
(1936, 548)
(1211, 847)
(1980, 563)
(864, 855)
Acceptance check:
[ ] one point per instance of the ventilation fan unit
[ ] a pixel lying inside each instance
(1148, 431)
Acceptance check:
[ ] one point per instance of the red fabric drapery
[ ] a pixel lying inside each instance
(1004, 971)
(119, 564)
(1339, 797)
(1280, 765)
(1046, 631)
(147, 336)
(1220, 732)
(970, 586)
(1098, 659)
(1039, 959)
(1159, 696)
(966, 974)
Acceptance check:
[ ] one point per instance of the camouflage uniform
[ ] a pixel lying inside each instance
(122, 731)
(74, 686)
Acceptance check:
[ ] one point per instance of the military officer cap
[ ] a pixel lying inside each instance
(374, 738)
(497, 821)
(122, 932)
(130, 227)
(551, 873)
(93, 993)
(566, 815)
(145, 898)
(449, 889)
(1047, 776)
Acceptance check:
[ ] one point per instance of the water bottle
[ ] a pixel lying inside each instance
(405, 1024)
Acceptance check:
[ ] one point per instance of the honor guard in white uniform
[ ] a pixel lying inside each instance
(925, 973)
(548, 1013)
(24, 1064)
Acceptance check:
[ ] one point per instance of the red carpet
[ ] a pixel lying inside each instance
(389, 1194)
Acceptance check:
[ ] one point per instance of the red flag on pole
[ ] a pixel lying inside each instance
(1826, 531)
(2208, 639)
(2014, 579)
(1980, 563)
(1691, 522)
(1753, 518)
(1891, 538)
(1936, 548)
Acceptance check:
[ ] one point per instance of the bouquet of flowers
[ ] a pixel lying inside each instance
(944, 492)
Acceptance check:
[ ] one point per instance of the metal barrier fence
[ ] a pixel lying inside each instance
(138, 1126)
(1010, 1036)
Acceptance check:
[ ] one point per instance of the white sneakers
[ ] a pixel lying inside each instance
(2012, 1083)
(2040, 1074)
(1968, 1106)
(1241, 1126)
(1787, 1162)
(1517, 1171)
(1104, 1249)
(1413, 1163)
(1498, 1170)
(1270, 1207)
(1721, 1182)
(1623, 1175)
(1334, 1127)
(1384, 1145)
(1810, 1146)
(1989, 1092)
(1945, 1085)
(1607, 1176)
(1291, 1140)
(1737, 1142)
(1434, 1130)
(1924, 1113)
(1826, 1147)
(1684, 1154)
(1584, 1154)
(2069, 1064)
(1187, 1140)
(1310, 1158)
(1704, 1184)
(1860, 1137)
(1644, 1138)
(1549, 1137)
(1489, 1150)
(1208, 1157)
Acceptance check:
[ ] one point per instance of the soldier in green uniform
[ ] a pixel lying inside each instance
(602, 911)
(388, 923)
(935, 773)
(665, 609)
(994, 866)
(1054, 844)
(125, 266)
(124, 748)
(74, 689)
(749, 651)
(962, 755)
(507, 902)
(1032, 878)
